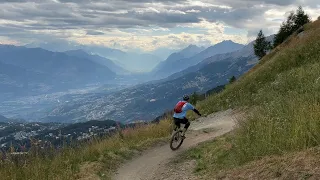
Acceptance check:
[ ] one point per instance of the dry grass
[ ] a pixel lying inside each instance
(218, 160)
(298, 165)
(99, 158)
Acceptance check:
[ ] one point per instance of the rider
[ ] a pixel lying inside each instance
(180, 112)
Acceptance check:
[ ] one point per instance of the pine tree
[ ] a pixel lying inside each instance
(261, 45)
(286, 29)
(301, 18)
(292, 24)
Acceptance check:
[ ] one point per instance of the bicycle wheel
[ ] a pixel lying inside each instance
(176, 140)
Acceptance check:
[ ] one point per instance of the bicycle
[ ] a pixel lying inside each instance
(176, 138)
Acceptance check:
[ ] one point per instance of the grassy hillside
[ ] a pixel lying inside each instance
(281, 96)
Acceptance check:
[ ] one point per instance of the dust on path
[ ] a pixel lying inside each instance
(150, 166)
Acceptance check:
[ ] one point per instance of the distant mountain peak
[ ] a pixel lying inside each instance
(78, 51)
(193, 49)
(193, 55)
(192, 46)
(227, 42)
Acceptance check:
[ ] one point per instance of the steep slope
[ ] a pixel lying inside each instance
(97, 59)
(180, 61)
(281, 99)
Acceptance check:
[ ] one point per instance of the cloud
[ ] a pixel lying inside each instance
(93, 32)
(143, 24)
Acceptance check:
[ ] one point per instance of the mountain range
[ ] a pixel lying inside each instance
(130, 61)
(192, 55)
(148, 100)
(202, 69)
(29, 71)
(245, 51)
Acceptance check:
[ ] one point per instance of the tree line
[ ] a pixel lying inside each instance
(294, 22)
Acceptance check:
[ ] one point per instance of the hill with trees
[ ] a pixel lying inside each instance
(280, 97)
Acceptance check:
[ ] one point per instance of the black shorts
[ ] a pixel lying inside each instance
(178, 121)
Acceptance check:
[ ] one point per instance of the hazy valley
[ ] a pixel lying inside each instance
(118, 95)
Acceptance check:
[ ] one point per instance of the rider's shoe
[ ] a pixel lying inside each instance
(183, 133)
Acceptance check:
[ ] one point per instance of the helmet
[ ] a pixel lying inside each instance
(185, 97)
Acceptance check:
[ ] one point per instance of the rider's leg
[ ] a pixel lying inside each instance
(186, 126)
(177, 124)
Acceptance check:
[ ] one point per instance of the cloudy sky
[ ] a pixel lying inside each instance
(143, 24)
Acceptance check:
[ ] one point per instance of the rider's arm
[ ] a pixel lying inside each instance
(191, 107)
(196, 111)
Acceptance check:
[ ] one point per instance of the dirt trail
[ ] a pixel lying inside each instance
(147, 166)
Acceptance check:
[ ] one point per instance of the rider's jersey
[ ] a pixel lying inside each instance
(187, 106)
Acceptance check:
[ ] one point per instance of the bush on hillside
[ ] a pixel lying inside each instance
(232, 79)
(194, 98)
